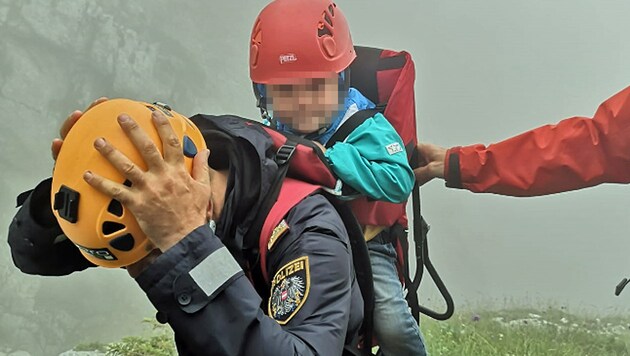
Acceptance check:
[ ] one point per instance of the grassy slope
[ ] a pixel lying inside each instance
(510, 332)
(527, 332)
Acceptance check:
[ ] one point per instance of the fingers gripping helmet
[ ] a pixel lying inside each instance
(299, 39)
(106, 233)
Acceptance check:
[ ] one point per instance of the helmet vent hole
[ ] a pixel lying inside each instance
(323, 30)
(257, 34)
(110, 227)
(327, 19)
(331, 9)
(127, 183)
(123, 243)
(115, 208)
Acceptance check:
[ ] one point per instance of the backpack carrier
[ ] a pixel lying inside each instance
(386, 78)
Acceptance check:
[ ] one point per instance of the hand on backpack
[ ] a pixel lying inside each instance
(432, 162)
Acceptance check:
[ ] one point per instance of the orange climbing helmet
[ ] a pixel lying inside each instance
(299, 39)
(103, 229)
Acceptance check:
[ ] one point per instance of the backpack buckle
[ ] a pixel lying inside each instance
(284, 153)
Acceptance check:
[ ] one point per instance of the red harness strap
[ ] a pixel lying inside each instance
(291, 193)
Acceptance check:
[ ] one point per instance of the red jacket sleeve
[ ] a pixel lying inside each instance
(575, 153)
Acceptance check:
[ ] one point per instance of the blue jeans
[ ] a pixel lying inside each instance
(394, 326)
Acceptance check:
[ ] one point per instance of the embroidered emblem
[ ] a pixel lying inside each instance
(393, 148)
(289, 290)
(277, 232)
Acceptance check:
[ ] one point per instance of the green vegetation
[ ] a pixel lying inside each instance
(510, 332)
(526, 332)
(158, 343)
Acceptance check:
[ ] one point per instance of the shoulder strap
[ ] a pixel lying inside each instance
(308, 163)
(291, 193)
(282, 158)
(362, 268)
(349, 125)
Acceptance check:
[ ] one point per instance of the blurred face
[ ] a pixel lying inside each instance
(305, 105)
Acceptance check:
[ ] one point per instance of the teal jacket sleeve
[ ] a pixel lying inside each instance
(373, 161)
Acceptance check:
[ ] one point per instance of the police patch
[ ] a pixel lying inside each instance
(289, 290)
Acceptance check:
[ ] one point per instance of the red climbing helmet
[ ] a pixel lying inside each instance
(299, 39)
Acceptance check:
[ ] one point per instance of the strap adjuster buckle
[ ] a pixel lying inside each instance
(284, 153)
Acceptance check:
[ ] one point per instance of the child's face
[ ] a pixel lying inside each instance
(305, 105)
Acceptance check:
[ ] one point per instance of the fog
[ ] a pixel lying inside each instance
(486, 70)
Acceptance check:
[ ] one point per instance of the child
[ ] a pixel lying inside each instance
(299, 58)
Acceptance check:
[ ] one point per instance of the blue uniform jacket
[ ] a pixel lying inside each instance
(312, 306)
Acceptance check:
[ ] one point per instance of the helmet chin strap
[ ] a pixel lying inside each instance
(261, 102)
(315, 134)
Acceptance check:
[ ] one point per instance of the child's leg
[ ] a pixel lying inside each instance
(394, 326)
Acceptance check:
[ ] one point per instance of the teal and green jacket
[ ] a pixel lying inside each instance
(372, 159)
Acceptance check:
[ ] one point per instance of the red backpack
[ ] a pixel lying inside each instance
(386, 78)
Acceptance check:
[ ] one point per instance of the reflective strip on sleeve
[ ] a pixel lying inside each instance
(215, 270)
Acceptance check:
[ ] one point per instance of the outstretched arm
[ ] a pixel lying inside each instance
(36, 240)
(575, 153)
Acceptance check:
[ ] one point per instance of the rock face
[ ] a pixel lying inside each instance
(59, 56)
